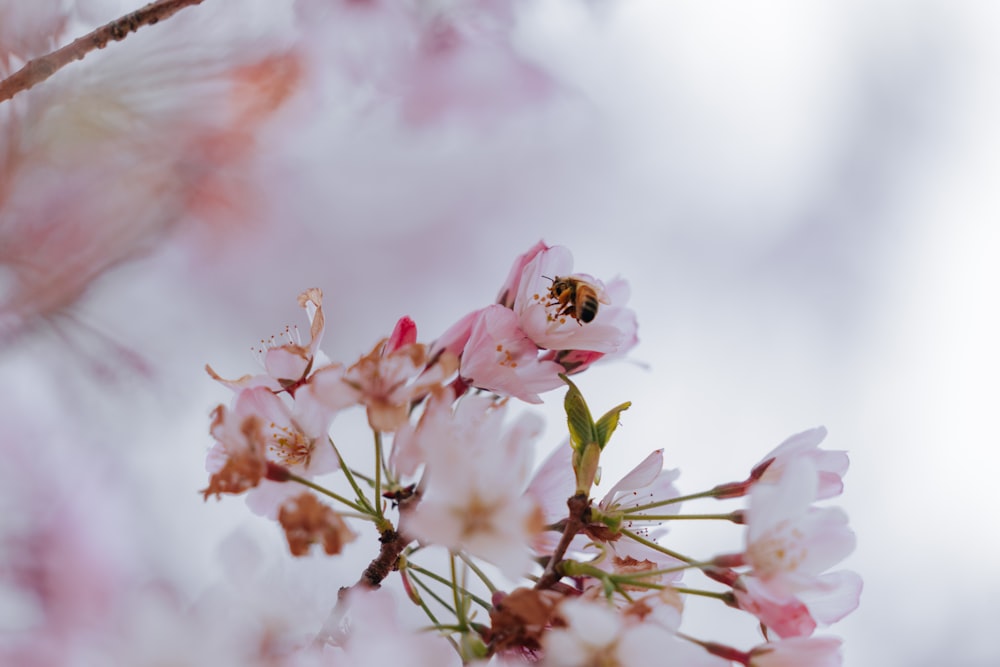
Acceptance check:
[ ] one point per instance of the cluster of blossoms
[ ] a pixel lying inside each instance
(593, 583)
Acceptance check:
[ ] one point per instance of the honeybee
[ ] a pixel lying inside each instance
(574, 297)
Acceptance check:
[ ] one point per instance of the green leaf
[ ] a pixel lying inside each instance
(582, 430)
(607, 424)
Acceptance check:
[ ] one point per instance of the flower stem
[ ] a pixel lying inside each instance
(475, 568)
(365, 511)
(378, 473)
(670, 501)
(705, 594)
(363, 477)
(735, 517)
(460, 615)
(438, 578)
(437, 598)
(427, 610)
(657, 547)
(350, 479)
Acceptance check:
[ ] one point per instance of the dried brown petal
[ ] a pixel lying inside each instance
(307, 521)
(245, 460)
(519, 618)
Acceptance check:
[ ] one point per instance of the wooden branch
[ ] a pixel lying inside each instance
(38, 69)
(579, 516)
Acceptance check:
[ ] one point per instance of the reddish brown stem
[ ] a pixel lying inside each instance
(393, 542)
(39, 69)
(579, 509)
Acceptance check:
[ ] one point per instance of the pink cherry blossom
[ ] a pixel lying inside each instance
(831, 465)
(261, 423)
(790, 545)
(595, 633)
(238, 460)
(498, 356)
(574, 361)
(784, 614)
(512, 285)
(124, 118)
(286, 360)
(476, 472)
(789, 541)
(798, 652)
(647, 482)
(394, 375)
(613, 329)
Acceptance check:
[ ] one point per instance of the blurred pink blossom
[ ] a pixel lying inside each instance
(831, 465)
(473, 491)
(798, 652)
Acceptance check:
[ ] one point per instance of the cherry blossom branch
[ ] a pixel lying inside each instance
(579, 505)
(393, 543)
(39, 69)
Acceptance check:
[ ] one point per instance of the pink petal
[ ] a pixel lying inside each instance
(639, 477)
(787, 616)
(513, 282)
(404, 333)
(836, 595)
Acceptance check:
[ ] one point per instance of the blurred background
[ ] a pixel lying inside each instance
(803, 198)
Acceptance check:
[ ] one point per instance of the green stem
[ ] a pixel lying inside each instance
(363, 477)
(427, 589)
(661, 503)
(657, 547)
(705, 594)
(350, 479)
(378, 473)
(627, 578)
(730, 516)
(479, 573)
(460, 615)
(430, 614)
(366, 511)
(438, 578)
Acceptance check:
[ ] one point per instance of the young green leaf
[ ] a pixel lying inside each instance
(581, 425)
(607, 424)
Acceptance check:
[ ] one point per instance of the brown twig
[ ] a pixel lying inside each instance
(393, 542)
(579, 512)
(38, 69)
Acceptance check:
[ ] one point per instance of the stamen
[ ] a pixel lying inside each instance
(290, 336)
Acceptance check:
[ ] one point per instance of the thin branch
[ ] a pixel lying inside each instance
(579, 510)
(39, 69)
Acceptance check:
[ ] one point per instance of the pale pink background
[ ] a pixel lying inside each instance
(803, 196)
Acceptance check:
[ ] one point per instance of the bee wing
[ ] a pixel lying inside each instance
(595, 283)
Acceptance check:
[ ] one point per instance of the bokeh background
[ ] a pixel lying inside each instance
(803, 196)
